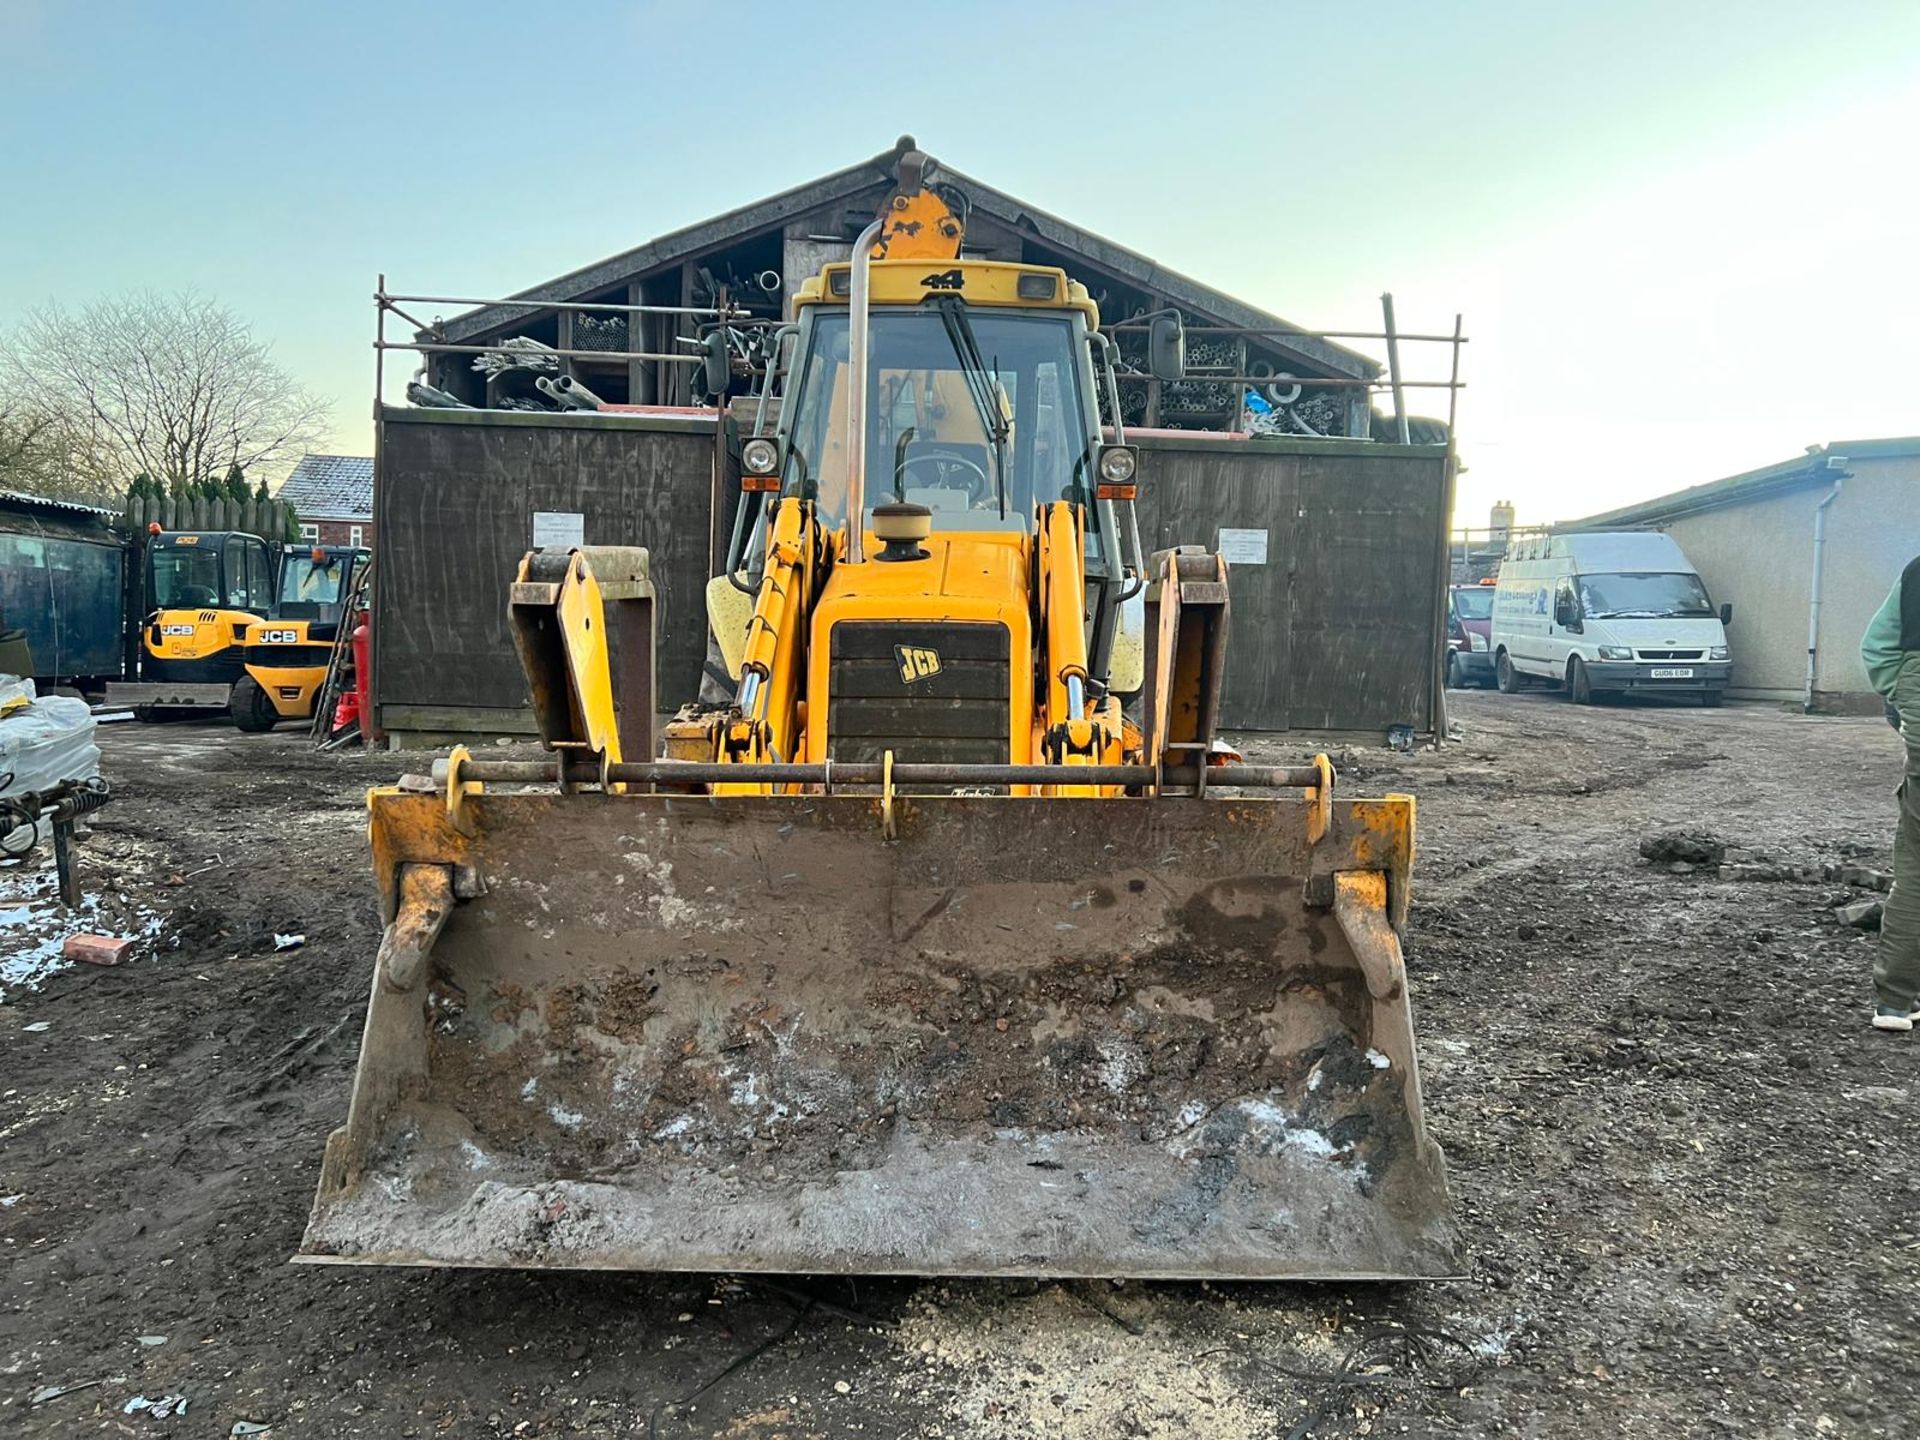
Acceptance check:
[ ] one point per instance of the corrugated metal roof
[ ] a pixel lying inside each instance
(65, 507)
(330, 487)
(1819, 466)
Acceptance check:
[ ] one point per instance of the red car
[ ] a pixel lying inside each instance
(1469, 631)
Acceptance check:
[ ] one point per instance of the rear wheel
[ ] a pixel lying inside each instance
(1505, 676)
(250, 708)
(1579, 683)
(1455, 680)
(146, 714)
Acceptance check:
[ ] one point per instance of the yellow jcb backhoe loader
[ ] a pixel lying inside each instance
(919, 956)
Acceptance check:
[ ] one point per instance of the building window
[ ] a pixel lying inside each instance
(310, 534)
(354, 533)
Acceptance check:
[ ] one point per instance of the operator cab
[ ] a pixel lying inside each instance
(981, 447)
(316, 581)
(209, 570)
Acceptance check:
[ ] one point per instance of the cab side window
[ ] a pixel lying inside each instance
(1566, 609)
(248, 576)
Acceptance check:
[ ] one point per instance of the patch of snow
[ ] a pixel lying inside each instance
(746, 1093)
(531, 1088)
(1120, 1066)
(566, 1119)
(1312, 1142)
(34, 926)
(477, 1159)
(1377, 1060)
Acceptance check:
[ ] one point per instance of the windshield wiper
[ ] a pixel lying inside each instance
(982, 385)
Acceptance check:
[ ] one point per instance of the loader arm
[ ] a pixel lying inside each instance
(582, 623)
(766, 722)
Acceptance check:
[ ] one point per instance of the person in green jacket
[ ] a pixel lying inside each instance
(1891, 651)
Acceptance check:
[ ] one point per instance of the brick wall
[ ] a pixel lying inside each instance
(337, 532)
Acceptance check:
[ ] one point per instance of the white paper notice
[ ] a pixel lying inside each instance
(564, 530)
(1244, 547)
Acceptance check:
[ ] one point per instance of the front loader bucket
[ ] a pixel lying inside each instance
(1128, 1037)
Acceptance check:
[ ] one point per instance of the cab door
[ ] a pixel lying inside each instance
(249, 575)
(1565, 627)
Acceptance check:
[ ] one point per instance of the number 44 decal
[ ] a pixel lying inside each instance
(945, 280)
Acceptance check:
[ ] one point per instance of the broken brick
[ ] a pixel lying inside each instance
(96, 949)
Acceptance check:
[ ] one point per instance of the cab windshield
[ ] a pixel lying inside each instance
(186, 578)
(1646, 596)
(929, 439)
(305, 580)
(1475, 602)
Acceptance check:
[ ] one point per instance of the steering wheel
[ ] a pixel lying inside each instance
(949, 462)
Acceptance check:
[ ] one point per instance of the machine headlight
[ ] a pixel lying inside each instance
(1118, 464)
(759, 456)
(1719, 652)
(1616, 652)
(1476, 641)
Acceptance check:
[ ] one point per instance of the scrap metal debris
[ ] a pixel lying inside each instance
(160, 1407)
(54, 1392)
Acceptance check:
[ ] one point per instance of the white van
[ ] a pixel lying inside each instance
(1608, 613)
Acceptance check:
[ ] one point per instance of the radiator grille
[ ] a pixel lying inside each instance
(928, 691)
(1670, 654)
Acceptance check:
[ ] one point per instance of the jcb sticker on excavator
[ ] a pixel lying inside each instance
(177, 629)
(277, 637)
(917, 662)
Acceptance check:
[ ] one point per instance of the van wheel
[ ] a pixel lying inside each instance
(1455, 681)
(1712, 699)
(1579, 683)
(250, 708)
(1505, 676)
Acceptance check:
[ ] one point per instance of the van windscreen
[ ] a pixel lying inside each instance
(1473, 602)
(1646, 596)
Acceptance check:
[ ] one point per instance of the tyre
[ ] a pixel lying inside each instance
(1579, 683)
(1455, 680)
(1505, 676)
(1712, 699)
(250, 708)
(146, 714)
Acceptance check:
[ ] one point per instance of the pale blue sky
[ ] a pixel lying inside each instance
(1684, 235)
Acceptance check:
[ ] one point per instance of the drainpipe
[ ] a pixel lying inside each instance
(1834, 462)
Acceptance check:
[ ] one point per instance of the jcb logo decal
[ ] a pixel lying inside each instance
(277, 637)
(176, 629)
(917, 662)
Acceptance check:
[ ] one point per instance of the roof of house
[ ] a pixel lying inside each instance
(1821, 465)
(330, 487)
(869, 177)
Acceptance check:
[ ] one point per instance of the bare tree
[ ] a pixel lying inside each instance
(173, 386)
(47, 452)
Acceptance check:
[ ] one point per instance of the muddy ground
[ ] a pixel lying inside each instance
(1684, 1165)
